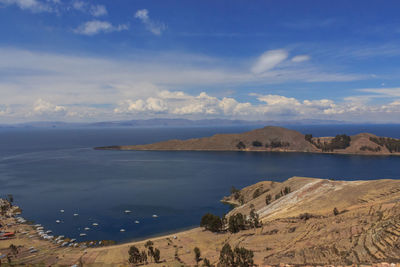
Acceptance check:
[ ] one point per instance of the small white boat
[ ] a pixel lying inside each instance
(155, 216)
(72, 240)
(86, 228)
(127, 211)
(58, 221)
(62, 211)
(76, 214)
(48, 232)
(95, 224)
(82, 234)
(137, 222)
(122, 230)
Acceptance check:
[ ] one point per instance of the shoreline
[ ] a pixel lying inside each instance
(111, 148)
(305, 207)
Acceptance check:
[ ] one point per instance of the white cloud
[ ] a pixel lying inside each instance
(96, 26)
(388, 92)
(154, 27)
(269, 60)
(31, 5)
(92, 88)
(278, 100)
(41, 107)
(269, 106)
(300, 58)
(98, 10)
(79, 5)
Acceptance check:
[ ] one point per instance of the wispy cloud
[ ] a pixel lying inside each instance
(94, 10)
(98, 10)
(382, 92)
(300, 58)
(269, 60)
(96, 26)
(155, 27)
(31, 5)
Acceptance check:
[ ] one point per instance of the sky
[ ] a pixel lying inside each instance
(89, 60)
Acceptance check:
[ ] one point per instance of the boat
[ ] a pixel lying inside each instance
(62, 211)
(155, 216)
(82, 234)
(122, 230)
(76, 214)
(95, 224)
(58, 221)
(86, 229)
(127, 211)
(137, 222)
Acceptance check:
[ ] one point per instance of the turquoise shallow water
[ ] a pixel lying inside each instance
(51, 169)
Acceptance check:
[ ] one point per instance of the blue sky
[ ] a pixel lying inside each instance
(79, 60)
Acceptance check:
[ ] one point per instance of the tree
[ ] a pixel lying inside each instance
(241, 145)
(335, 211)
(308, 138)
(257, 143)
(211, 222)
(257, 193)
(286, 190)
(243, 257)
(197, 254)
(207, 263)
(14, 249)
(254, 218)
(144, 256)
(268, 199)
(134, 255)
(236, 223)
(156, 255)
(226, 256)
(235, 192)
(3, 209)
(150, 249)
(240, 257)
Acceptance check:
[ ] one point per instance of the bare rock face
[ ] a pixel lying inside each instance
(269, 138)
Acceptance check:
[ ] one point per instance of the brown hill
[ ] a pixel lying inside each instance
(273, 138)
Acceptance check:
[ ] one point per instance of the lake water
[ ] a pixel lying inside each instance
(51, 169)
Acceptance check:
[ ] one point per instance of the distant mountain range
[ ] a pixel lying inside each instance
(166, 123)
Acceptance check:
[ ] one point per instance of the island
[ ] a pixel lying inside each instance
(301, 221)
(277, 139)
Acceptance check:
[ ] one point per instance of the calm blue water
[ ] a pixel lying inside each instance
(51, 169)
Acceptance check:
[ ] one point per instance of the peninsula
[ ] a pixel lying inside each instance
(272, 138)
(301, 221)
